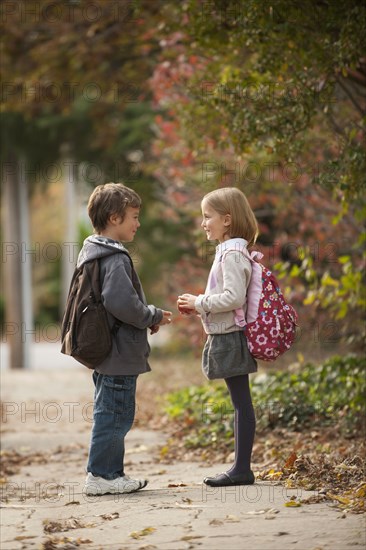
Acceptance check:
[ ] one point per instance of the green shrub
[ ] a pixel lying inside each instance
(329, 394)
(315, 395)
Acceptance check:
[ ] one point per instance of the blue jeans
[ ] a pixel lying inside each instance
(114, 413)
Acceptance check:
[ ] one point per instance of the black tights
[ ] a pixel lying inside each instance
(244, 422)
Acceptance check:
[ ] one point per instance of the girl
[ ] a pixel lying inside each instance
(228, 218)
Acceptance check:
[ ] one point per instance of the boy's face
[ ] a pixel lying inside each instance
(125, 230)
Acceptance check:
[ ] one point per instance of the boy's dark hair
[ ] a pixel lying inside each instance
(109, 199)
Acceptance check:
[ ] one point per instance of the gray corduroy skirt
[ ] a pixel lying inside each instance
(226, 355)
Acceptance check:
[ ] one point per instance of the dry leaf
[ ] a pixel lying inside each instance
(290, 461)
(340, 499)
(109, 517)
(188, 506)
(272, 474)
(64, 543)
(292, 504)
(216, 522)
(264, 511)
(142, 533)
(64, 525)
(361, 492)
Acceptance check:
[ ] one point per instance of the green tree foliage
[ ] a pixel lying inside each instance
(277, 76)
(281, 83)
(69, 69)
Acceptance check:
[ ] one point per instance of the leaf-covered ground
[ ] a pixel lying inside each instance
(310, 434)
(317, 460)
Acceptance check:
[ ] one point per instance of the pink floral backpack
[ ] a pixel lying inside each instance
(270, 323)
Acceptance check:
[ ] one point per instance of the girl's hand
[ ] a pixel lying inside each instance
(186, 303)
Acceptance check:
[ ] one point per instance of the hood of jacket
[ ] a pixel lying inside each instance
(97, 246)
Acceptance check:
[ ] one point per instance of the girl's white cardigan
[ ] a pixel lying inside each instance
(226, 288)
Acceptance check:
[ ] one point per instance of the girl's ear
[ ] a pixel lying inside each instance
(227, 220)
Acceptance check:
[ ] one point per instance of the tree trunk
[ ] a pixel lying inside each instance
(18, 308)
(70, 210)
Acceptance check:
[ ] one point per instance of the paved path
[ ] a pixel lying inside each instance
(47, 355)
(48, 415)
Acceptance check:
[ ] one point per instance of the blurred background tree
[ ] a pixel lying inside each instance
(69, 71)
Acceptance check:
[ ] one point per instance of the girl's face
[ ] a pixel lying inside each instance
(214, 224)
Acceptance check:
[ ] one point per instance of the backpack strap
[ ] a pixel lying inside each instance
(255, 256)
(94, 293)
(97, 294)
(254, 288)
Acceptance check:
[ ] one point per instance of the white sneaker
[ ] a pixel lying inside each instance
(100, 486)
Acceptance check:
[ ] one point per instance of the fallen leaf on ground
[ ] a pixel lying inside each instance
(12, 461)
(290, 461)
(340, 499)
(188, 506)
(142, 533)
(361, 491)
(63, 543)
(216, 522)
(264, 511)
(109, 517)
(64, 525)
(177, 485)
(292, 504)
(272, 474)
(334, 464)
(314, 499)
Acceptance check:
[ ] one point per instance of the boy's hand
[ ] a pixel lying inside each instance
(167, 318)
(154, 329)
(186, 303)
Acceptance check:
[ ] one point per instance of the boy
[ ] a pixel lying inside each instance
(114, 212)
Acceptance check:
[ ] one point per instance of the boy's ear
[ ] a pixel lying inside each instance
(114, 219)
(227, 220)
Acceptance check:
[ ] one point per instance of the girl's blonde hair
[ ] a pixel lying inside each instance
(230, 200)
